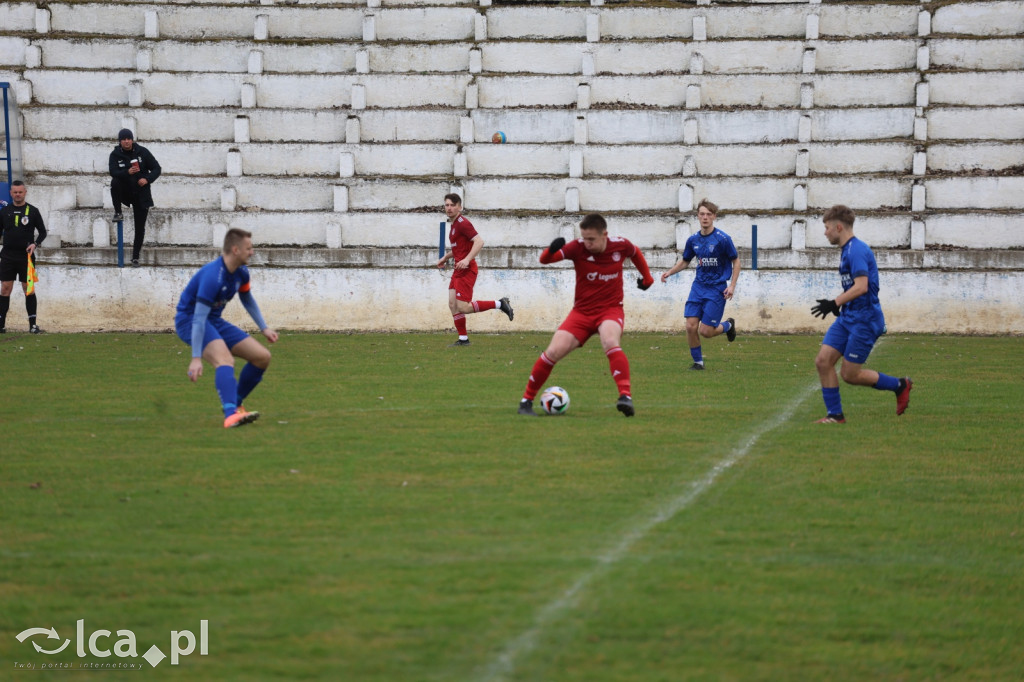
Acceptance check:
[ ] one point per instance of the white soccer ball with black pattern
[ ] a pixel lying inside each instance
(554, 400)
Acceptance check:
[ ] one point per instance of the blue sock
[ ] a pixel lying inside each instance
(887, 383)
(696, 355)
(247, 380)
(833, 405)
(226, 385)
(726, 326)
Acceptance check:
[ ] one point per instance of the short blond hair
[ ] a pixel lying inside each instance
(235, 237)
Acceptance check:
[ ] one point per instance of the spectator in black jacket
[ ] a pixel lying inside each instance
(133, 169)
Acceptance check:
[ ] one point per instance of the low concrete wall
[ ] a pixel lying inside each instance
(77, 298)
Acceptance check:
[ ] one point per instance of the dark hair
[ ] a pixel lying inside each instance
(454, 198)
(234, 237)
(706, 203)
(594, 221)
(18, 183)
(843, 214)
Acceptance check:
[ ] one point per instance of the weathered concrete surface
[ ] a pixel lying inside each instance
(79, 298)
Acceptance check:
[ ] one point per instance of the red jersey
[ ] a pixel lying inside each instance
(598, 276)
(460, 236)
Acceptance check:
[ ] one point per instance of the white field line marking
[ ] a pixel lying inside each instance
(522, 645)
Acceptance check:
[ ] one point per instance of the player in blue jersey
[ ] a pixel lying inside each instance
(860, 322)
(198, 323)
(718, 268)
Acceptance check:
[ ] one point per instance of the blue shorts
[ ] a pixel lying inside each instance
(216, 328)
(854, 339)
(707, 303)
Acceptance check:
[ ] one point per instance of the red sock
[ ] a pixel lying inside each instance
(480, 306)
(538, 375)
(460, 324)
(620, 369)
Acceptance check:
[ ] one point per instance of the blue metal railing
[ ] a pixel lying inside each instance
(5, 188)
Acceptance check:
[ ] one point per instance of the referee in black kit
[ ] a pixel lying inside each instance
(19, 222)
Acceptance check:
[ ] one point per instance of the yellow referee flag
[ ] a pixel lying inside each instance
(30, 277)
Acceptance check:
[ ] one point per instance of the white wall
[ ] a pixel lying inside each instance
(95, 298)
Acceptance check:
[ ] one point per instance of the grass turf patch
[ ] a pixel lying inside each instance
(391, 517)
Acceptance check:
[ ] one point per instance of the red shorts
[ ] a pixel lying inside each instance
(463, 282)
(584, 326)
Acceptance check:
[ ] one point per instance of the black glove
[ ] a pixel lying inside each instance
(824, 307)
(640, 284)
(556, 245)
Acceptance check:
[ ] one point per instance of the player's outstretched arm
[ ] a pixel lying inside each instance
(249, 303)
(678, 267)
(199, 317)
(553, 253)
(646, 279)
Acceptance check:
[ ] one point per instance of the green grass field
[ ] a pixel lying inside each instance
(390, 517)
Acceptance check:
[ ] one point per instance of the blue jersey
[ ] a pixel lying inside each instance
(858, 260)
(214, 286)
(715, 254)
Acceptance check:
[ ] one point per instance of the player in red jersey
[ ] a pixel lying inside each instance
(465, 245)
(597, 309)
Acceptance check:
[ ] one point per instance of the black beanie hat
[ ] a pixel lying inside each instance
(125, 134)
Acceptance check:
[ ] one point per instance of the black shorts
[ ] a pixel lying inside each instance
(13, 269)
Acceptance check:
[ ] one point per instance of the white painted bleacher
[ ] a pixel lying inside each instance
(362, 114)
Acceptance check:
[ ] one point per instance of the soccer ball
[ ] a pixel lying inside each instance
(554, 400)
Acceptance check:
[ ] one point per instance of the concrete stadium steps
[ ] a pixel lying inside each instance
(606, 58)
(779, 231)
(239, 56)
(357, 110)
(298, 22)
(765, 91)
(976, 123)
(992, 54)
(212, 125)
(65, 87)
(661, 126)
(376, 91)
(716, 58)
(298, 212)
(364, 162)
(552, 194)
(408, 20)
(603, 126)
(397, 229)
(995, 18)
(524, 125)
(526, 258)
(258, 159)
(989, 88)
(752, 20)
(405, 21)
(960, 157)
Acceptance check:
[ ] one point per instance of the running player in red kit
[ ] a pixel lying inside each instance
(466, 244)
(597, 309)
